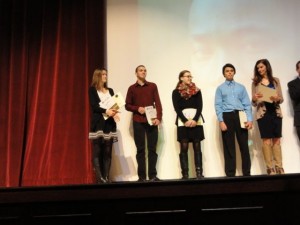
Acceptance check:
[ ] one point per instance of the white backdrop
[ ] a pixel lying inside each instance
(168, 36)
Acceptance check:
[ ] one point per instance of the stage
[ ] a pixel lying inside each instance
(238, 200)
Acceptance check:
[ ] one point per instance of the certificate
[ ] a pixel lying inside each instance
(190, 113)
(118, 101)
(243, 118)
(151, 114)
(112, 102)
(266, 92)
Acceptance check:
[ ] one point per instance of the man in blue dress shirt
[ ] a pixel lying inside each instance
(231, 98)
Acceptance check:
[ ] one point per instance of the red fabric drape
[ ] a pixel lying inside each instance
(49, 50)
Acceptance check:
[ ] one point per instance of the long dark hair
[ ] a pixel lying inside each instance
(181, 74)
(257, 77)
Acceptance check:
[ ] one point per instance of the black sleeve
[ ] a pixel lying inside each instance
(175, 99)
(111, 91)
(95, 100)
(294, 90)
(199, 106)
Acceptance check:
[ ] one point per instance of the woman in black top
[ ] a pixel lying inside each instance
(187, 102)
(103, 125)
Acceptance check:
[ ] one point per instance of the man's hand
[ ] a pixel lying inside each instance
(155, 122)
(223, 126)
(141, 110)
(248, 125)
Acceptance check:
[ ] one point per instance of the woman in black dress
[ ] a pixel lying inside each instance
(103, 125)
(187, 102)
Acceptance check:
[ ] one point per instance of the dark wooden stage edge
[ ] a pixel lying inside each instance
(237, 200)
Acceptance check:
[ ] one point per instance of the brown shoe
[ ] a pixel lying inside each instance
(271, 171)
(279, 170)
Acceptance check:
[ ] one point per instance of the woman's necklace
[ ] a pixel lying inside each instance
(265, 81)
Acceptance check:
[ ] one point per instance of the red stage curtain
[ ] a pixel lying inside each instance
(49, 50)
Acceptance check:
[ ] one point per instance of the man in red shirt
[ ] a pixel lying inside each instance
(140, 95)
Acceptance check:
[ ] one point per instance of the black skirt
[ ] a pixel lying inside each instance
(106, 130)
(190, 133)
(270, 125)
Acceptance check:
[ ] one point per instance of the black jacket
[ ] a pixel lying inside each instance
(294, 91)
(97, 119)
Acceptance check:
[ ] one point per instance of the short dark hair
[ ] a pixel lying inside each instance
(297, 65)
(228, 65)
(136, 69)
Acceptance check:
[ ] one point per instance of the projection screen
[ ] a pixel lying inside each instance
(168, 36)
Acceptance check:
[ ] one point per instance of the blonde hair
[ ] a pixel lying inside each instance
(97, 76)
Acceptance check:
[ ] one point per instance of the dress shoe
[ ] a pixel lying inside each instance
(247, 175)
(141, 180)
(185, 177)
(199, 176)
(154, 179)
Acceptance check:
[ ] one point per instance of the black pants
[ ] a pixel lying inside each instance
(232, 122)
(298, 131)
(141, 131)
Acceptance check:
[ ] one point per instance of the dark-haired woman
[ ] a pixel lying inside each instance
(187, 102)
(268, 116)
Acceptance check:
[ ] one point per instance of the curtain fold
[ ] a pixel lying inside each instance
(50, 51)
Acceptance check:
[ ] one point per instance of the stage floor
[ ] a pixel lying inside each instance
(162, 188)
(256, 200)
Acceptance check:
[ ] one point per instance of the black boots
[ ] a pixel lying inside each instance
(183, 156)
(106, 168)
(97, 169)
(102, 159)
(198, 164)
(199, 173)
(106, 159)
(184, 164)
(102, 173)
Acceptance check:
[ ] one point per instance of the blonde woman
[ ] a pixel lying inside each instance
(102, 129)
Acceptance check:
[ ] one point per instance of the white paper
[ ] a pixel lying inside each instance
(112, 102)
(243, 118)
(119, 101)
(267, 92)
(190, 113)
(107, 103)
(151, 114)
